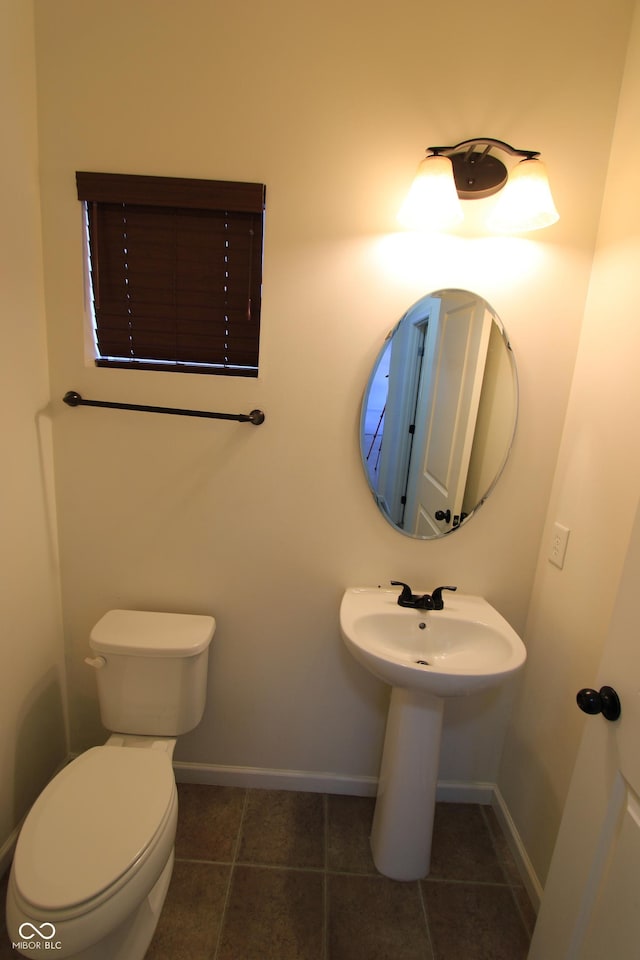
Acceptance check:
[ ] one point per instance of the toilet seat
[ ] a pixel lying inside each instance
(112, 801)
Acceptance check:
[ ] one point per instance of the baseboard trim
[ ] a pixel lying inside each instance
(269, 779)
(529, 876)
(449, 791)
(463, 791)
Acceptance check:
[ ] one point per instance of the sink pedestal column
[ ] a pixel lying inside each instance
(403, 818)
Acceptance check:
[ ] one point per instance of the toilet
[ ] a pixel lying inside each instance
(95, 854)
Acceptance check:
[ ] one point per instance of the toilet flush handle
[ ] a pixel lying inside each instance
(96, 662)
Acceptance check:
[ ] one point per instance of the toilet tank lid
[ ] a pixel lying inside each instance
(149, 634)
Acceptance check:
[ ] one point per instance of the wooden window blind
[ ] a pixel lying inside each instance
(176, 272)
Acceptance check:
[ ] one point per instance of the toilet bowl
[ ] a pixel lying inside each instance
(95, 855)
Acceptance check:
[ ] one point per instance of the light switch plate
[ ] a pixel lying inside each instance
(559, 540)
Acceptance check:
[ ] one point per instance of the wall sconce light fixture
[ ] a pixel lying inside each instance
(468, 171)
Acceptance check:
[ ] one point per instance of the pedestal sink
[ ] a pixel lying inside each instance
(425, 656)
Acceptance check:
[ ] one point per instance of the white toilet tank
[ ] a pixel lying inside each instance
(151, 670)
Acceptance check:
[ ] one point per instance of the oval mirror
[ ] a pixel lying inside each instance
(439, 413)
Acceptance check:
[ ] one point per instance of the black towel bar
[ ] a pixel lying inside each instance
(73, 399)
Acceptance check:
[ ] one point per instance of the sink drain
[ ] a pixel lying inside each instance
(424, 663)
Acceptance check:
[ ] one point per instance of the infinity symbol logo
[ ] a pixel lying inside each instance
(37, 931)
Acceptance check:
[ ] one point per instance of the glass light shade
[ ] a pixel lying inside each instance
(525, 202)
(432, 202)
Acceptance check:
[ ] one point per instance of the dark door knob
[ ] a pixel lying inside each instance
(444, 515)
(604, 701)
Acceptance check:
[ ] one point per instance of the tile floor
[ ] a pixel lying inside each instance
(278, 875)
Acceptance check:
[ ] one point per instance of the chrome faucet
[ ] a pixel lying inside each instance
(428, 601)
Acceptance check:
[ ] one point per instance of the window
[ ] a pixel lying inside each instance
(176, 272)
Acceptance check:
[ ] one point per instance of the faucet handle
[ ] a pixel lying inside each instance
(436, 596)
(407, 593)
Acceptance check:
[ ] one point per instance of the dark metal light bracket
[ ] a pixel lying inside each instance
(477, 173)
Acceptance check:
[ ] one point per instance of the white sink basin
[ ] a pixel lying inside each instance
(465, 648)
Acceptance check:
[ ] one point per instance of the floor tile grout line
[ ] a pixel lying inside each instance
(493, 839)
(494, 845)
(335, 871)
(454, 881)
(355, 874)
(215, 863)
(507, 875)
(520, 912)
(258, 864)
(232, 865)
(425, 915)
(325, 878)
(245, 805)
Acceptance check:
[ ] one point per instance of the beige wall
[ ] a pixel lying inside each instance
(595, 494)
(32, 727)
(331, 106)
